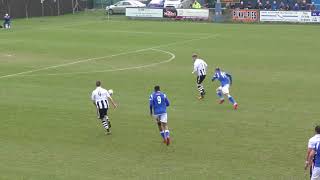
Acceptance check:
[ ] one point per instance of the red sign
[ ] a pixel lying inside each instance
(242, 15)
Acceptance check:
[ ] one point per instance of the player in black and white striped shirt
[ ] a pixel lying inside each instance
(100, 98)
(200, 67)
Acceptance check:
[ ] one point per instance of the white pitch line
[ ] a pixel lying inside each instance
(173, 56)
(103, 57)
(135, 32)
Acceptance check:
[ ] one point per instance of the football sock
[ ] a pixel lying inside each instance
(109, 123)
(167, 133)
(220, 95)
(105, 124)
(200, 89)
(231, 99)
(162, 134)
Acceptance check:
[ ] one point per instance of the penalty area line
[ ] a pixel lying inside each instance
(173, 56)
(108, 56)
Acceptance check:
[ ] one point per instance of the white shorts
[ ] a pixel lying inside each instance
(161, 117)
(315, 173)
(224, 89)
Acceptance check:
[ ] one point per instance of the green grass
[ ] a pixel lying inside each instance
(48, 127)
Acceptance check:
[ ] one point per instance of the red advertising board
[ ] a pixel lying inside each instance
(242, 15)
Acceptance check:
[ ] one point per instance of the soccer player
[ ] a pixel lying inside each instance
(7, 21)
(314, 159)
(200, 67)
(158, 109)
(226, 81)
(100, 99)
(311, 144)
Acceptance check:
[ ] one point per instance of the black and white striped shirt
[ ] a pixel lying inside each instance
(200, 66)
(100, 96)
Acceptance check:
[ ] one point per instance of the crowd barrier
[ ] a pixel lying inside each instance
(239, 15)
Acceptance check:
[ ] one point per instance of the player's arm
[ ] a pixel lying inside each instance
(194, 68)
(230, 77)
(214, 77)
(93, 100)
(167, 102)
(150, 104)
(308, 153)
(310, 159)
(113, 102)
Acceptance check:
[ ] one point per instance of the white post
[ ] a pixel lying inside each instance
(72, 6)
(58, 5)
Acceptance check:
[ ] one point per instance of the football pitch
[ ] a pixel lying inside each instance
(49, 129)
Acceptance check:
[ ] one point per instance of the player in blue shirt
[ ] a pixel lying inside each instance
(7, 21)
(314, 158)
(226, 81)
(158, 109)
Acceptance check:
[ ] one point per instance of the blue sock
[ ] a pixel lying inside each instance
(231, 99)
(220, 95)
(167, 133)
(162, 134)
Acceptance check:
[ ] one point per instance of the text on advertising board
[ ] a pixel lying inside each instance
(245, 15)
(144, 12)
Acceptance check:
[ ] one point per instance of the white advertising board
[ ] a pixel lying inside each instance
(144, 12)
(193, 13)
(288, 16)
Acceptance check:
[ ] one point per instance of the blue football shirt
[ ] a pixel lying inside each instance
(317, 156)
(223, 77)
(159, 102)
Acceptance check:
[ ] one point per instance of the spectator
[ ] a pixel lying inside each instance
(257, 4)
(296, 7)
(260, 6)
(282, 7)
(241, 6)
(196, 5)
(288, 8)
(249, 6)
(232, 5)
(312, 7)
(7, 21)
(274, 6)
(304, 5)
(267, 6)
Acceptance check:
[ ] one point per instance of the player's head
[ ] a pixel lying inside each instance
(194, 56)
(317, 129)
(218, 69)
(157, 88)
(7, 14)
(98, 83)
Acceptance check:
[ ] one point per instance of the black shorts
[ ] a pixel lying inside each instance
(102, 113)
(200, 79)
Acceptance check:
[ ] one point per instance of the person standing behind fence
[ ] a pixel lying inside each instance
(312, 7)
(282, 6)
(267, 6)
(304, 5)
(259, 5)
(274, 6)
(296, 7)
(196, 5)
(7, 21)
(249, 5)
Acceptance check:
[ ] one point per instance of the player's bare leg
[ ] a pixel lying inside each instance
(232, 101)
(162, 133)
(167, 133)
(220, 95)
